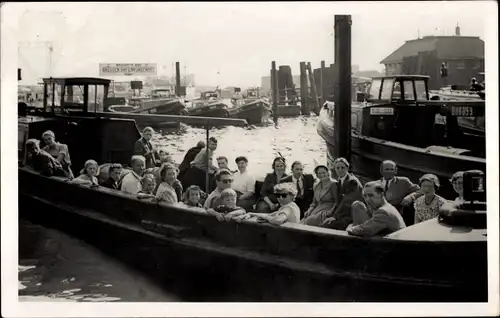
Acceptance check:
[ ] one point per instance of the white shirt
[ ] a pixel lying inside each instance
(131, 183)
(243, 182)
(301, 184)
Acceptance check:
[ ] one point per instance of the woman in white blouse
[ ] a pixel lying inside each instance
(170, 189)
(88, 174)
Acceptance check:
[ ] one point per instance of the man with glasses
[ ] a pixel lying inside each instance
(224, 180)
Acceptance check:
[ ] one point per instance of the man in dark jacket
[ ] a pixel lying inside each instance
(190, 155)
(304, 184)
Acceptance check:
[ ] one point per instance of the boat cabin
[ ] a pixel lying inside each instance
(252, 93)
(209, 95)
(162, 93)
(79, 123)
(398, 109)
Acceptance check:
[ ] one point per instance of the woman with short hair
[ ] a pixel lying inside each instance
(88, 174)
(268, 202)
(170, 189)
(58, 151)
(457, 181)
(427, 206)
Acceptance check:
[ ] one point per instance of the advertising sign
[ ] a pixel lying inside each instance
(137, 69)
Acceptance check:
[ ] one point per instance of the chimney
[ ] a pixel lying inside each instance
(457, 30)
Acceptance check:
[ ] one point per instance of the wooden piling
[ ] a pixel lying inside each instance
(177, 79)
(342, 95)
(322, 75)
(304, 90)
(274, 87)
(316, 106)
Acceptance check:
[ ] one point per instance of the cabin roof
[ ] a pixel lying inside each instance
(403, 76)
(78, 80)
(446, 47)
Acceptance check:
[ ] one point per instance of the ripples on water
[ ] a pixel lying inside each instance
(56, 267)
(295, 139)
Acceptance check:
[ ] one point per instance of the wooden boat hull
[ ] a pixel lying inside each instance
(368, 153)
(255, 112)
(251, 261)
(172, 106)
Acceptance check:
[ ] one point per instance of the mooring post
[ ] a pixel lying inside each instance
(342, 95)
(314, 90)
(177, 79)
(322, 83)
(304, 90)
(274, 87)
(207, 173)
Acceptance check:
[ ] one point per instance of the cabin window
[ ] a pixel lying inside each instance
(96, 98)
(421, 90)
(396, 94)
(73, 94)
(53, 94)
(387, 86)
(375, 89)
(408, 90)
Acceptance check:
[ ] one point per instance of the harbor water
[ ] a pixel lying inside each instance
(56, 267)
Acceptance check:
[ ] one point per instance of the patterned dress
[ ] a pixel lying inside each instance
(424, 211)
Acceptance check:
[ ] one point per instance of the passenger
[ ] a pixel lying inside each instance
(58, 151)
(196, 175)
(131, 182)
(224, 180)
(223, 163)
(326, 195)
(165, 157)
(268, 202)
(304, 184)
(289, 210)
(41, 161)
(350, 190)
(457, 181)
(244, 184)
(143, 147)
(192, 197)
(148, 185)
(228, 208)
(188, 157)
(115, 173)
(427, 206)
(170, 189)
(384, 219)
(88, 174)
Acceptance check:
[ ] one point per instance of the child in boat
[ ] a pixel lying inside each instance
(228, 209)
(88, 174)
(148, 184)
(192, 197)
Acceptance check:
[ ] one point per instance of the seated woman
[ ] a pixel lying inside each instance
(268, 202)
(170, 189)
(325, 197)
(457, 181)
(228, 209)
(88, 174)
(148, 185)
(41, 161)
(58, 151)
(114, 176)
(427, 206)
(191, 198)
(289, 210)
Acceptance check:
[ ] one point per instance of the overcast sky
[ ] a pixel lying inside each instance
(238, 40)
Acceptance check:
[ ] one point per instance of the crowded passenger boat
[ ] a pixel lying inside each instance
(287, 194)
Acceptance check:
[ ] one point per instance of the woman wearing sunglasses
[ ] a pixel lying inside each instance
(289, 211)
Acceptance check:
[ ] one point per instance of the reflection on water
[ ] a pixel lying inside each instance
(295, 139)
(56, 267)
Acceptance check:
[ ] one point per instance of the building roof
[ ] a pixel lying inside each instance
(447, 47)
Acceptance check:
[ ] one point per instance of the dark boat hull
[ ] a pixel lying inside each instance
(255, 112)
(288, 111)
(210, 110)
(162, 107)
(255, 262)
(368, 153)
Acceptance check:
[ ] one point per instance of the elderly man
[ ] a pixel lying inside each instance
(304, 184)
(131, 183)
(143, 147)
(384, 219)
(399, 191)
(224, 179)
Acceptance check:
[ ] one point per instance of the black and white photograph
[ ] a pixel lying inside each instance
(265, 159)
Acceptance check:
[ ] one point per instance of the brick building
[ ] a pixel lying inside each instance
(463, 55)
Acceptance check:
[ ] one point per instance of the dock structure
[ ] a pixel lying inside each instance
(304, 90)
(342, 94)
(274, 89)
